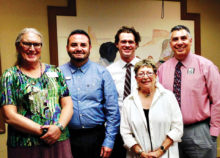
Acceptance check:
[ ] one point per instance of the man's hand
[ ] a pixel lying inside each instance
(105, 152)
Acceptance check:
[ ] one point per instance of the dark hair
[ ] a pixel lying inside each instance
(180, 27)
(78, 31)
(145, 62)
(125, 29)
(108, 51)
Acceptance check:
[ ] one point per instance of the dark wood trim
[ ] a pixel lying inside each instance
(0, 64)
(196, 18)
(52, 11)
(2, 124)
(70, 10)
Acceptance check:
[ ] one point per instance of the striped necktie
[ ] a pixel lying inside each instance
(177, 82)
(127, 85)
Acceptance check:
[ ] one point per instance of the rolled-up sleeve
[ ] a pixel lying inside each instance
(212, 76)
(176, 130)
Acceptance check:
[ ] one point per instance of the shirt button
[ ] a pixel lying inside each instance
(80, 115)
(83, 127)
(78, 101)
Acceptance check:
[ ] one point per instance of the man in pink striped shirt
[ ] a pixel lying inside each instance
(199, 96)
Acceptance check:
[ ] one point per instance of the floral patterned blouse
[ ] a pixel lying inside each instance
(36, 98)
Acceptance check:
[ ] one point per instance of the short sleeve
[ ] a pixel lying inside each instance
(8, 88)
(64, 91)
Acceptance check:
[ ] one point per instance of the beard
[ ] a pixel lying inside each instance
(79, 60)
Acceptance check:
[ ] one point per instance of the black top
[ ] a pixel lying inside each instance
(146, 112)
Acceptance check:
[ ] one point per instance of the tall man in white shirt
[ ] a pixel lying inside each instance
(126, 40)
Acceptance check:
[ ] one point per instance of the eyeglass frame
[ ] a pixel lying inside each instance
(148, 74)
(30, 44)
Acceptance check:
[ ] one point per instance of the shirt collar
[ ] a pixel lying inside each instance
(83, 68)
(186, 62)
(133, 62)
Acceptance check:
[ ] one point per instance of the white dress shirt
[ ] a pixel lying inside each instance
(118, 71)
(165, 119)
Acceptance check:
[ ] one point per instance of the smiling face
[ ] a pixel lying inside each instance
(146, 78)
(126, 46)
(30, 48)
(180, 43)
(78, 48)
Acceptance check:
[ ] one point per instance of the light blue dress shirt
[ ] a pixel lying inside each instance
(95, 99)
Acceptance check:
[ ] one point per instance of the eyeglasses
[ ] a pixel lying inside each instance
(142, 74)
(29, 44)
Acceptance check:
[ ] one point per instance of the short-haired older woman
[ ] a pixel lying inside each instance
(35, 102)
(151, 121)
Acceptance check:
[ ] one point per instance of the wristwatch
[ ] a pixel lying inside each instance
(162, 148)
(139, 152)
(44, 131)
(60, 126)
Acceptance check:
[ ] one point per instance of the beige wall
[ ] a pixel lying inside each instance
(14, 16)
(3, 148)
(210, 25)
(18, 14)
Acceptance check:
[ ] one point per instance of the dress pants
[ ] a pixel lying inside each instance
(87, 143)
(197, 142)
(118, 151)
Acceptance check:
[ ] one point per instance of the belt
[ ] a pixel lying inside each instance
(86, 130)
(199, 122)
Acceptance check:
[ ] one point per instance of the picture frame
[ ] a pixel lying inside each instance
(71, 10)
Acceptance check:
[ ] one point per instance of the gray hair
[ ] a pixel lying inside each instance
(27, 30)
(178, 28)
(19, 38)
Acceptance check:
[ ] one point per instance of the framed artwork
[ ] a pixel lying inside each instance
(153, 19)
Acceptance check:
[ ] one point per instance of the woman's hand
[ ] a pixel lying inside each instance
(144, 155)
(52, 135)
(155, 154)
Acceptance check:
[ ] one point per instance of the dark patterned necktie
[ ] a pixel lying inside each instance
(177, 82)
(127, 85)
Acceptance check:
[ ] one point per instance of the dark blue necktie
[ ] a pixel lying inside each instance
(177, 82)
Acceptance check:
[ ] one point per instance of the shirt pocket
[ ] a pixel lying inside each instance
(194, 81)
(93, 89)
